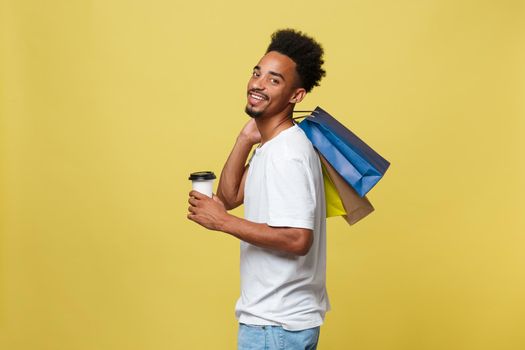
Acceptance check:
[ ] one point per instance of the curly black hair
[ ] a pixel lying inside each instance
(304, 51)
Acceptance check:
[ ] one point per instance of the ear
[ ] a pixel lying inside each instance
(298, 95)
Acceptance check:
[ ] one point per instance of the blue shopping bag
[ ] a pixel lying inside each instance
(354, 160)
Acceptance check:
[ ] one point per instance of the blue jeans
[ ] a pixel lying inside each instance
(276, 338)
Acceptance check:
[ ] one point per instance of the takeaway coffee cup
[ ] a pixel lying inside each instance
(202, 182)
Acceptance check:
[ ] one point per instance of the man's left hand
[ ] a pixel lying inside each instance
(206, 211)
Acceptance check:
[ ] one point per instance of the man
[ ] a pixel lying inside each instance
(283, 236)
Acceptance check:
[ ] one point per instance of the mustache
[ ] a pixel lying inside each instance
(258, 92)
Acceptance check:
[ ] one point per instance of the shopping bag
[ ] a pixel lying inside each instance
(358, 164)
(334, 204)
(354, 207)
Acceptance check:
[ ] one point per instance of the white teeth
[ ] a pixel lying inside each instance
(257, 97)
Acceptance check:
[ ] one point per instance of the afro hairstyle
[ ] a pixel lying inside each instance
(304, 51)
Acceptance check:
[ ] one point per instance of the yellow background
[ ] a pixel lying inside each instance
(107, 106)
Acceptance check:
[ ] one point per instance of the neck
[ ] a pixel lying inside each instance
(269, 127)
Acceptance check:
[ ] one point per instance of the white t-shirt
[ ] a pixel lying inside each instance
(285, 188)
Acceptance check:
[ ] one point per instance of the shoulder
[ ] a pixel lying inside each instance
(292, 144)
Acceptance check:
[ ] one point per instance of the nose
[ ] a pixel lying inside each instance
(256, 83)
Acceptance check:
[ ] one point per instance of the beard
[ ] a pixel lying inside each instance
(252, 113)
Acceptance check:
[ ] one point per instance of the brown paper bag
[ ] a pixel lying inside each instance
(356, 207)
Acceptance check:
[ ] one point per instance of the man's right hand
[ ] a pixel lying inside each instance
(251, 133)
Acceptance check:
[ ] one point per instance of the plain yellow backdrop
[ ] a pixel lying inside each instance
(107, 106)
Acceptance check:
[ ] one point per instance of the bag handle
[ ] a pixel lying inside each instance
(302, 116)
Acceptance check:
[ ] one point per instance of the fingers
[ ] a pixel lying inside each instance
(194, 199)
(197, 195)
(195, 207)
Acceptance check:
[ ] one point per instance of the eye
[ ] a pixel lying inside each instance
(255, 74)
(274, 81)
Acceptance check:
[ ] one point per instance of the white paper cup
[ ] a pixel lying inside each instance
(202, 182)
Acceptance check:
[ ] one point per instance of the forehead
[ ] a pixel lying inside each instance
(278, 63)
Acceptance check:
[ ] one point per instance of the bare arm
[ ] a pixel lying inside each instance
(233, 175)
(212, 214)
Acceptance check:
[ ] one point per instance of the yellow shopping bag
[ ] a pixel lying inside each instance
(334, 205)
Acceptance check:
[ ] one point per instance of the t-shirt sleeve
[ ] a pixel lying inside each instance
(291, 194)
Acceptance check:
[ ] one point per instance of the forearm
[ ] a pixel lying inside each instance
(232, 174)
(295, 241)
(211, 213)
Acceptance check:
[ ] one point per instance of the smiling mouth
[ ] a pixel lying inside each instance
(257, 96)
